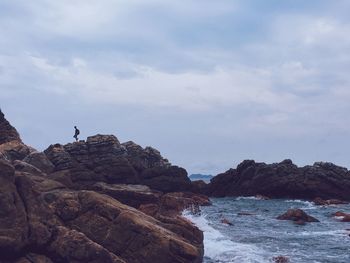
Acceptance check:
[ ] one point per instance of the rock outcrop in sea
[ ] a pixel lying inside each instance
(94, 201)
(322, 180)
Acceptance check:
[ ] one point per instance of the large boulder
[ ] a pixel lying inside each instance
(101, 158)
(166, 179)
(283, 180)
(297, 215)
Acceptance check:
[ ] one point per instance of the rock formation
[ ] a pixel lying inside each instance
(8, 132)
(93, 201)
(11, 145)
(298, 216)
(282, 180)
(344, 216)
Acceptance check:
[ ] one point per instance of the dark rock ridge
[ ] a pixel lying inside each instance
(8, 132)
(94, 201)
(282, 180)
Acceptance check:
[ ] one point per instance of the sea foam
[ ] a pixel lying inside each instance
(220, 248)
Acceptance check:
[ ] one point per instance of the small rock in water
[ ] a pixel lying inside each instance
(345, 217)
(225, 221)
(297, 215)
(281, 259)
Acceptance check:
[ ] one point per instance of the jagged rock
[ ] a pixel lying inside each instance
(7, 132)
(59, 157)
(297, 215)
(26, 167)
(166, 179)
(142, 159)
(101, 158)
(13, 219)
(11, 145)
(14, 150)
(40, 161)
(283, 180)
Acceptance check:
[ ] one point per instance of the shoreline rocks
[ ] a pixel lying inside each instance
(282, 180)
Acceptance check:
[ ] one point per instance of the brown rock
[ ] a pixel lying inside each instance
(27, 168)
(297, 215)
(34, 258)
(280, 259)
(7, 132)
(340, 214)
(13, 217)
(74, 246)
(40, 161)
(84, 226)
(133, 195)
(149, 209)
(142, 159)
(14, 150)
(345, 217)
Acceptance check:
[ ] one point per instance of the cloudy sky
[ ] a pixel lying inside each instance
(207, 82)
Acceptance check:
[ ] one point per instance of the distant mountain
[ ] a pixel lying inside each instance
(204, 177)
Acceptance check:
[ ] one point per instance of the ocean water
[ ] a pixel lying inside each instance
(260, 237)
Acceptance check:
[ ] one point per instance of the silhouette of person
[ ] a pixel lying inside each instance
(77, 132)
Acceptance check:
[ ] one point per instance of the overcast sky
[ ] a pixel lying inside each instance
(207, 82)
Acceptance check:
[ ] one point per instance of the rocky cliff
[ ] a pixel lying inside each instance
(93, 201)
(282, 180)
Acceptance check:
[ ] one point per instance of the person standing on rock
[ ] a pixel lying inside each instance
(77, 132)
